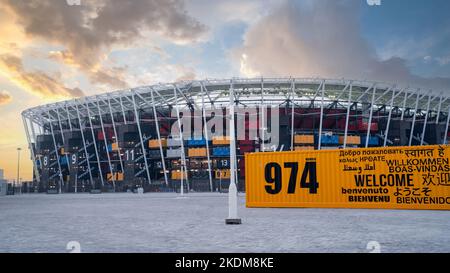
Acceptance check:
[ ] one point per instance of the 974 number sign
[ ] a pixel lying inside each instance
(274, 177)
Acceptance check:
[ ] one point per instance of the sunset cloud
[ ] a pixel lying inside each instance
(88, 32)
(35, 82)
(5, 97)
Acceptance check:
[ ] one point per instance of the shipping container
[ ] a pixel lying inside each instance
(363, 126)
(221, 151)
(196, 142)
(222, 174)
(303, 148)
(154, 143)
(197, 152)
(174, 153)
(373, 140)
(351, 140)
(117, 177)
(221, 140)
(173, 142)
(115, 146)
(246, 143)
(416, 177)
(327, 139)
(155, 153)
(246, 149)
(177, 175)
(304, 139)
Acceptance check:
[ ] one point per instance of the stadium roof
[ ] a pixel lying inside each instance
(304, 92)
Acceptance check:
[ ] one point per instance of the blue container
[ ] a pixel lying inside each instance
(328, 140)
(196, 142)
(373, 141)
(221, 151)
(110, 148)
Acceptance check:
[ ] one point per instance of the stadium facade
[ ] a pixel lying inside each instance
(126, 139)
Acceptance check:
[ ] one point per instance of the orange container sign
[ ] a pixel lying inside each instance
(389, 178)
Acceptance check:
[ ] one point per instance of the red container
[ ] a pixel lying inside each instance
(241, 166)
(363, 126)
(246, 149)
(351, 124)
(100, 135)
(246, 143)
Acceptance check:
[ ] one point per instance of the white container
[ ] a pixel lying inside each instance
(3, 187)
(173, 142)
(174, 153)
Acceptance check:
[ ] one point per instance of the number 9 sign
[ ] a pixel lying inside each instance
(73, 159)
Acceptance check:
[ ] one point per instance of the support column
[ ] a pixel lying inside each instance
(123, 110)
(68, 118)
(321, 116)
(155, 115)
(347, 118)
(144, 152)
(115, 133)
(206, 138)
(84, 145)
(386, 134)
(439, 110)
(414, 119)
(446, 126)
(62, 136)
(292, 113)
(56, 151)
(425, 122)
(369, 124)
(30, 146)
(404, 106)
(263, 122)
(183, 155)
(106, 147)
(95, 144)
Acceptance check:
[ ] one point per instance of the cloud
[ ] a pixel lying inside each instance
(218, 12)
(35, 82)
(88, 32)
(5, 97)
(184, 73)
(443, 60)
(163, 73)
(320, 39)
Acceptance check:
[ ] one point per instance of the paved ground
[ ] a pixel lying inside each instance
(161, 222)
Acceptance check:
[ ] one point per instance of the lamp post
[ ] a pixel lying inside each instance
(18, 165)
(232, 190)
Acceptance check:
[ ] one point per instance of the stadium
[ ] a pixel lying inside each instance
(129, 139)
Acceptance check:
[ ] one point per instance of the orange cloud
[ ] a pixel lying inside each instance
(5, 97)
(35, 82)
(89, 31)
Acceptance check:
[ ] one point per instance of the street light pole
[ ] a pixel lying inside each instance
(18, 165)
(232, 190)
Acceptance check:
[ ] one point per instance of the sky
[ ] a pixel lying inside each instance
(53, 50)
